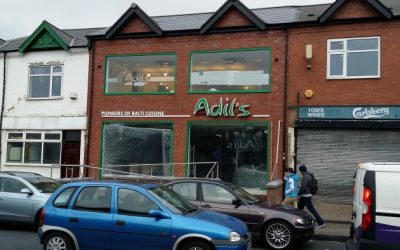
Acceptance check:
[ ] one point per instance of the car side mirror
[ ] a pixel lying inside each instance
(26, 191)
(237, 202)
(156, 213)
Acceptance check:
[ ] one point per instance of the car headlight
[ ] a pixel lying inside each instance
(233, 236)
(304, 221)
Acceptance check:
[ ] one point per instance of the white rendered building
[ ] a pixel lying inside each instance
(43, 106)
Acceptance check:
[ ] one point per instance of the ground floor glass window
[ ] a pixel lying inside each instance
(240, 149)
(137, 148)
(34, 147)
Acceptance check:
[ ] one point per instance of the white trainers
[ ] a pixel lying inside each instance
(320, 226)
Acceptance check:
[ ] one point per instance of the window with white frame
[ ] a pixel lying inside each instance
(34, 147)
(45, 81)
(354, 58)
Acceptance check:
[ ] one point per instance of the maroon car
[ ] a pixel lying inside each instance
(278, 226)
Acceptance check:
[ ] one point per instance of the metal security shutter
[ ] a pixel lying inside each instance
(333, 154)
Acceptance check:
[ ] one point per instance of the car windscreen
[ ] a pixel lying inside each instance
(243, 194)
(43, 184)
(172, 200)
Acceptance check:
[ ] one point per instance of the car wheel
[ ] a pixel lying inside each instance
(57, 241)
(196, 245)
(278, 235)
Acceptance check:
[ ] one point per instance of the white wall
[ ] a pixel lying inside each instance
(63, 113)
(1, 75)
(22, 113)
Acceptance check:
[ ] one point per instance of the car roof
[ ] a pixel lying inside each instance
(381, 166)
(203, 180)
(112, 183)
(19, 173)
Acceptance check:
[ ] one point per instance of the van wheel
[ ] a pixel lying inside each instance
(196, 245)
(278, 235)
(57, 241)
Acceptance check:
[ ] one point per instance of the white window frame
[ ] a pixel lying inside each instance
(24, 140)
(61, 74)
(344, 52)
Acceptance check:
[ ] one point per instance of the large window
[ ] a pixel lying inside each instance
(34, 147)
(239, 148)
(230, 71)
(45, 81)
(140, 74)
(140, 148)
(354, 58)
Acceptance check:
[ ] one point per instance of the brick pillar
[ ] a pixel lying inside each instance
(274, 192)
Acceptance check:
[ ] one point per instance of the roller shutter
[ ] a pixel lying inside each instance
(333, 154)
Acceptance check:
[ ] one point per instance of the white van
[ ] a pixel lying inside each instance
(376, 207)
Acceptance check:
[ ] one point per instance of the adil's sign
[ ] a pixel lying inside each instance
(225, 108)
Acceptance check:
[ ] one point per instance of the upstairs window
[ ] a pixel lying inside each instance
(244, 70)
(354, 58)
(140, 74)
(45, 81)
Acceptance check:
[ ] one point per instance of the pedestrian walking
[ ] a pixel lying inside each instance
(306, 195)
(291, 188)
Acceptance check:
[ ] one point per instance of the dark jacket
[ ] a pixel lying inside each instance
(305, 187)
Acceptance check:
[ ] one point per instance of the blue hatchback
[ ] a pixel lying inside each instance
(99, 215)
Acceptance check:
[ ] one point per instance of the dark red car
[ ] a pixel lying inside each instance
(278, 226)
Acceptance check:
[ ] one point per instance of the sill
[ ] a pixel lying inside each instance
(139, 93)
(351, 78)
(44, 98)
(230, 91)
(29, 165)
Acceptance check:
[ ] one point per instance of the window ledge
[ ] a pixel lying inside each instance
(43, 98)
(32, 165)
(351, 78)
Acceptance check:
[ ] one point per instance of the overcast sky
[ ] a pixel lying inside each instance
(20, 18)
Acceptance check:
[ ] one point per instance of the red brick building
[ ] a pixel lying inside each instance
(343, 101)
(206, 88)
(250, 90)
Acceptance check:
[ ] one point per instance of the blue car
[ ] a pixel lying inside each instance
(100, 215)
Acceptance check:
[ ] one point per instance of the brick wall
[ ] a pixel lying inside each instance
(355, 9)
(380, 91)
(181, 102)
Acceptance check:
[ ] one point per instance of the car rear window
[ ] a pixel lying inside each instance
(43, 184)
(96, 199)
(62, 200)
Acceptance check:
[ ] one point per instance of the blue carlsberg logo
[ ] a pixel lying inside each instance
(368, 113)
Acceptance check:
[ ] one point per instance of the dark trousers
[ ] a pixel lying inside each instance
(306, 201)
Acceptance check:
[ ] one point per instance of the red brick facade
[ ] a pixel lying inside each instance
(371, 91)
(182, 103)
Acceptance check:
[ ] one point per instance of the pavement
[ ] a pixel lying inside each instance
(337, 218)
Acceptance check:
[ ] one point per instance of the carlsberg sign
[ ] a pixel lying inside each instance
(222, 108)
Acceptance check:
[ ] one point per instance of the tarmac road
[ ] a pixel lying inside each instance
(25, 238)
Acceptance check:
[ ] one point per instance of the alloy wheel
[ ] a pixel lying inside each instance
(56, 243)
(278, 235)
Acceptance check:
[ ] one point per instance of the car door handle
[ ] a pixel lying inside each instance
(1, 198)
(206, 206)
(120, 222)
(73, 219)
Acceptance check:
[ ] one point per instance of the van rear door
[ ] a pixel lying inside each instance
(388, 207)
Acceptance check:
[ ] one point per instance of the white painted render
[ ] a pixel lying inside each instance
(1, 75)
(24, 114)
(19, 110)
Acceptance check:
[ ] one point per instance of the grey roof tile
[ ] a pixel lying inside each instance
(186, 22)
(392, 5)
(67, 39)
(275, 15)
(72, 37)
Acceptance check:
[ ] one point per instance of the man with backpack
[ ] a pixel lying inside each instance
(307, 189)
